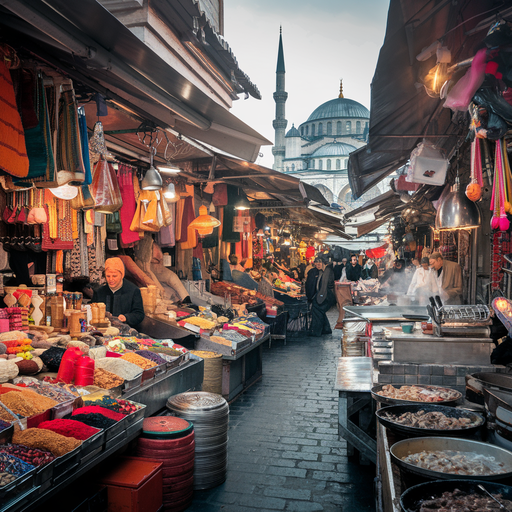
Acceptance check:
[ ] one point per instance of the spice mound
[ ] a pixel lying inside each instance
(147, 354)
(25, 404)
(140, 361)
(205, 354)
(457, 462)
(117, 365)
(70, 428)
(114, 404)
(105, 379)
(46, 440)
(430, 420)
(458, 501)
(30, 455)
(419, 393)
(97, 409)
(95, 420)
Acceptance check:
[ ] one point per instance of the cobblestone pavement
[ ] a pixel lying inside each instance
(284, 452)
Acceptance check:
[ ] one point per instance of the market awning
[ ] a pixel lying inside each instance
(92, 46)
(401, 112)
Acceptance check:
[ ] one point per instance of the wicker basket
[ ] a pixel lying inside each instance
(212, 381)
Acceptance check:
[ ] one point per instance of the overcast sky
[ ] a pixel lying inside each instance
(324, 40)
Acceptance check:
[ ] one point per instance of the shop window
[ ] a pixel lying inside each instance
(358, 126)
(312, 130)
(338, 128)
(338, 163)
(328, 164)
(320, 164)
(320, 129)
(348, 126)
(329, 128)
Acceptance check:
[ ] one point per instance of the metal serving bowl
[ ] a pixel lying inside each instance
(408, 446)
(476, 383)
(410, 499)
(394, 401)
(451, 412)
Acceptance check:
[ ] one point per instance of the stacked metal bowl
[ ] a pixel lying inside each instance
(210, 415)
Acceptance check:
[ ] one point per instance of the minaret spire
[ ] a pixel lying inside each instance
(341, 89)
(280, 97)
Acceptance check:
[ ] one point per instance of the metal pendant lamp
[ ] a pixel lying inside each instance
(457, 211)
(152, 179)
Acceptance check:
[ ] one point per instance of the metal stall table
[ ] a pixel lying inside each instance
(355, 406)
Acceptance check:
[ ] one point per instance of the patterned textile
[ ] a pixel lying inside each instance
(13, 152)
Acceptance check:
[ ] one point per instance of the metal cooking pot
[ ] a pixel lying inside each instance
(408, 446)
(477, 382)
(495, 398)
(451, 412)
(411, 497)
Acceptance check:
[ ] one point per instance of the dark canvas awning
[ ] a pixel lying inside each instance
(88, 43)
(401, 112)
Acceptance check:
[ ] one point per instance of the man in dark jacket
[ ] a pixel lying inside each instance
(320, 292)
(353, 269)
(122, 298)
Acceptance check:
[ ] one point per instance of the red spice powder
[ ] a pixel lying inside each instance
(69, 428)
(99, 410)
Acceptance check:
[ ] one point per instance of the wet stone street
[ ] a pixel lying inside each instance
(284, 452)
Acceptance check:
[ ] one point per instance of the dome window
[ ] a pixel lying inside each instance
(302, 130)
(320, 165)
(338, 164)
(328, 164)
(293, 167)
(307, 130)
(312, 130)
(338, 128)
(320, 129)
(329, 128)
(358, 127)
(312, 163)
(348, 127)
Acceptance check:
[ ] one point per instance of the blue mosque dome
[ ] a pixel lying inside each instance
(293, 132)
(334, 149)
(339, 108)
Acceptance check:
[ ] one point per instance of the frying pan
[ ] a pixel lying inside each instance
(410, 499)
(416, 318)
(451, 412)
(394, 401)
(408, 446)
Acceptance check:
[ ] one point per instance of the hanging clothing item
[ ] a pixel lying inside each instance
(127, 211)
(69, 149)
(228, 232)
(190, 240)
(13, 152)
(84, 143)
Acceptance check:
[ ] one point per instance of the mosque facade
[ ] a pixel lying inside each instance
(317, 150)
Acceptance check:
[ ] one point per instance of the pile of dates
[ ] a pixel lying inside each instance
(32, 456)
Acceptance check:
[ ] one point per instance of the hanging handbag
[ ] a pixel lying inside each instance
(428, 165)
(105, 188)
(113, 223)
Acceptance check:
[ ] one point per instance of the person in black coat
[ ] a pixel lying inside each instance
(122, 298)
(353, 269)
(320, 292)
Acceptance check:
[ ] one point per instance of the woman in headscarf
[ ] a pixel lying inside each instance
(370, 270)
(122, 298)
(320, 292)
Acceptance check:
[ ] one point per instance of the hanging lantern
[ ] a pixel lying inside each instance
(204, 223)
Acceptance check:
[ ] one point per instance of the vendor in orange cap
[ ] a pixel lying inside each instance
(122, 298)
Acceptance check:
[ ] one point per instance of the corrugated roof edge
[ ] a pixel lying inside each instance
(220, 44)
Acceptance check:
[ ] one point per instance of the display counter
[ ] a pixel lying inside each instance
(152, 393)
